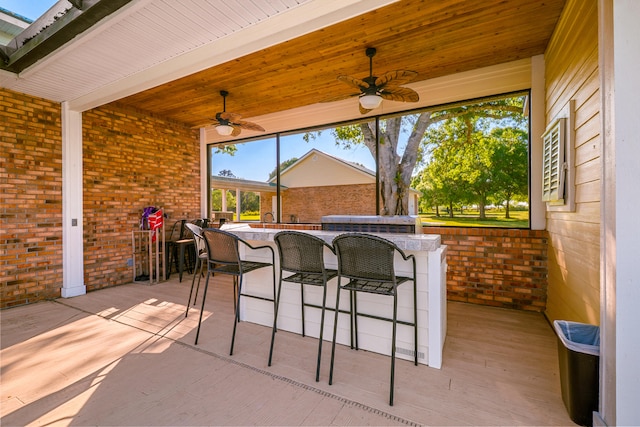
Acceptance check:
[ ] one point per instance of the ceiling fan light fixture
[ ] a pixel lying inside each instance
(370, 102)
(224, 130)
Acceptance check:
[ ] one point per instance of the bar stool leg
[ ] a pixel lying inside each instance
(198, 285)
(302, 306)
(204, 297)
(275, 319)
(335, 331)
(354, 315)
(320, 338)
(236, 320)
(393, 348)
(415, 321)
(192, 283)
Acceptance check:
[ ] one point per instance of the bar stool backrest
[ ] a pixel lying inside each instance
(363, 256)
(201, 246)
(222, 247)
(300, 252)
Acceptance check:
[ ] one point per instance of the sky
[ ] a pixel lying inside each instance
(31, 9)
(255, 160)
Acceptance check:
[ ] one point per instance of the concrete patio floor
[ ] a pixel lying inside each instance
(126, 356)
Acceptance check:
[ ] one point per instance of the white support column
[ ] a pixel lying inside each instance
(238, 203)
(223, 194)
(619, 50)
(626, 137)
(72, 216)
(537, 117)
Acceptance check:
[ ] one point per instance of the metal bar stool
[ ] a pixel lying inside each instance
(367, 264)
(303, 255)
(201, 259)
(223, 257)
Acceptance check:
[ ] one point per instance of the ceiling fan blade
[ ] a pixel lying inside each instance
(211, 122)
(340, 97)
(362, 109)
(231, 117)
(396, 78)
(236, 130)
(402, 94)
(352, 81)
(248, 125)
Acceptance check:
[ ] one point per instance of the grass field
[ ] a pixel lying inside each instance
(495, 218)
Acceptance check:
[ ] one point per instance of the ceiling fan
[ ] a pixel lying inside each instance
(231, 123)
(374, 89)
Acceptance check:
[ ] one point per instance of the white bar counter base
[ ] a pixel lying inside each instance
(373, 335)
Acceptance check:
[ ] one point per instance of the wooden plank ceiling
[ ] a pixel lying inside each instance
(433, 38)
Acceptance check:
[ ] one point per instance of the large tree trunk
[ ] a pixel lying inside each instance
(481, 207)
(395, 170)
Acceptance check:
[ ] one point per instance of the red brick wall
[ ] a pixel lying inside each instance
(30, 199)
(132, 160)
(498, 267)
(310, 204)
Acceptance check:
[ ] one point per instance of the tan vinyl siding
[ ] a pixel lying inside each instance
(574, 237)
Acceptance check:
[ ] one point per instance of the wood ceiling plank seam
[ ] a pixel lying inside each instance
(452, 35)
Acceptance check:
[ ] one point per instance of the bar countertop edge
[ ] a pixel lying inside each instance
(406, 242)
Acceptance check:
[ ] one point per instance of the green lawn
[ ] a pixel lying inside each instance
(248, 217)
(495, 218)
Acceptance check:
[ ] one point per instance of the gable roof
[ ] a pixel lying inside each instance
(229, 183)
(313, 151)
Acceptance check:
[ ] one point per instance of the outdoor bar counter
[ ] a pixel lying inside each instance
(374, 335)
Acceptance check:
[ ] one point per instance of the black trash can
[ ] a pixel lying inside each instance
(579, 357)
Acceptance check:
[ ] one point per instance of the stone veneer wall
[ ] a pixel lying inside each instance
(498, 267)
(132, 160)
(30, 199)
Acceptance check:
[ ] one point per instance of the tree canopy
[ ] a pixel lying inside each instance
(460, 146)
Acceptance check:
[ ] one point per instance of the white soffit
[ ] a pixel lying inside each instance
(151, 42)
